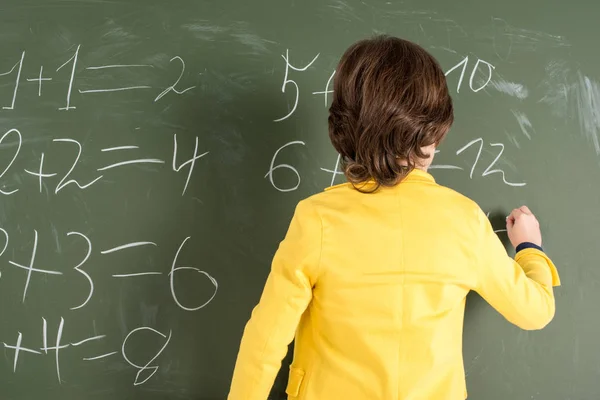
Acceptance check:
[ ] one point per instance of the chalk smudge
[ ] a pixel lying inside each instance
(571, 95)
(523, 122)
(587, 99)
(510, 88)
(238, 32)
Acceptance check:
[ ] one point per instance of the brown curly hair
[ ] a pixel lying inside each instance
(390, 99)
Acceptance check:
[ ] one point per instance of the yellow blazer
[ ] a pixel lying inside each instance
(373, 288)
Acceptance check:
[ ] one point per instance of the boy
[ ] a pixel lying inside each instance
(372, 276)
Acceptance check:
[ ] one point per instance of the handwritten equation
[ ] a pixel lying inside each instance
(31, 266)
(14, 75)
(41, 174)
(473, 85)
(145, 370)
(335, 172)
(462, 68)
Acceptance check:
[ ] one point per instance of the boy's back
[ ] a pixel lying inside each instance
(387, 311)
(374, 285)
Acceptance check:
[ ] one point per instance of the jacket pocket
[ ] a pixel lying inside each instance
(294, 382)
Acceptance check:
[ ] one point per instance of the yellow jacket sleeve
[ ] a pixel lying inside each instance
(519, 289)
(285, 297)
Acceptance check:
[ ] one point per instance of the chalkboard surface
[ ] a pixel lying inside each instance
(152, 153)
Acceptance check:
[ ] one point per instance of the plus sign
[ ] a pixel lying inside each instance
(40, 79)
(18, 348)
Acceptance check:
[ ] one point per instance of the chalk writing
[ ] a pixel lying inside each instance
(40, 79)
(488, 170)
(191, 161)
(74, 60)
(287, 81)
(16, 132)
(463, 63)
(491, 169)
(18, 348)
(172, 280)
(78, 268)
(88, 340)
(443, 166)
(127, 246)
(17, 80)
(175, 269)
(30, 268)
(335, 171)
(119, 148)
(120, 66)
(118, 89)
(495, 230)
(57, 347)
(100, 356)
(145, 367)
(62, 182)
(5, 241)
(274, 167)
(129, 162)
(40, 174)
(172, 87)
(136, 274)
(71, 64)
(326, 91)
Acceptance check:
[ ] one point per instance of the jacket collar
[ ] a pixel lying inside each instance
(416, 175)
(419, 175)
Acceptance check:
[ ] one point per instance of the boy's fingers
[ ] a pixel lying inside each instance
(525, 210)
(516, 213)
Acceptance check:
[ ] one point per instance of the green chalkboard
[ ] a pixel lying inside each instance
(152, 153)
